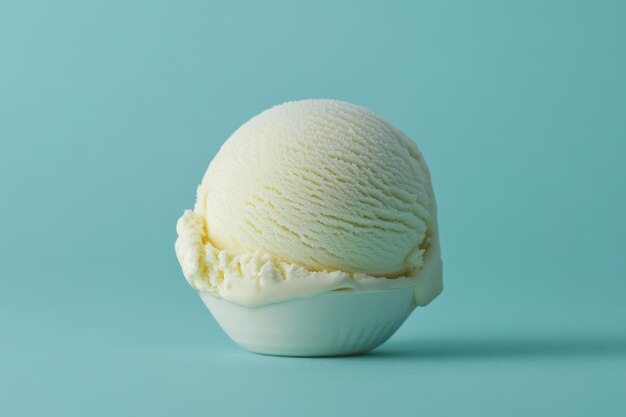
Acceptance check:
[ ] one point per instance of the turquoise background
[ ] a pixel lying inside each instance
(111, 111)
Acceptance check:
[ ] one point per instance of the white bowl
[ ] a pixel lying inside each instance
(329, 324)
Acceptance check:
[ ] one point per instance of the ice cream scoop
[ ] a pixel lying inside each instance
(308, 198)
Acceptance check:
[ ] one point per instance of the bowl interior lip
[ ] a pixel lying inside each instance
(328, 294)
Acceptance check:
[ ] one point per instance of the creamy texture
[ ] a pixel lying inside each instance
(324, 184)
(312, 196)
(255, 279)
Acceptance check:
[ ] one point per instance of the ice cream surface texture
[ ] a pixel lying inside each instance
(312, 196)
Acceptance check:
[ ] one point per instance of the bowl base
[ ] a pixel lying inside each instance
(338, 323)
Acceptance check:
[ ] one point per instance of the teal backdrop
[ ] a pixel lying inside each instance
(111, 111)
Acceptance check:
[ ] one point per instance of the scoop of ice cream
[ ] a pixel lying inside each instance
(319, 187)
(324, 184)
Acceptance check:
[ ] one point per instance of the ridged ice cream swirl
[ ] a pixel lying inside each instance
(322, 185)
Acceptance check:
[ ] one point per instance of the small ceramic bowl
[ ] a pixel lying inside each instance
(330, 324)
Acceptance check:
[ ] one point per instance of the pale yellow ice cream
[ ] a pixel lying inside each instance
(312, 196)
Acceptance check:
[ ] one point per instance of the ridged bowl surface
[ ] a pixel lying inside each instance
(330, 324)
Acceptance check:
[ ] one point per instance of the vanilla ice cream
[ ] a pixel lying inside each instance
(308, 197)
